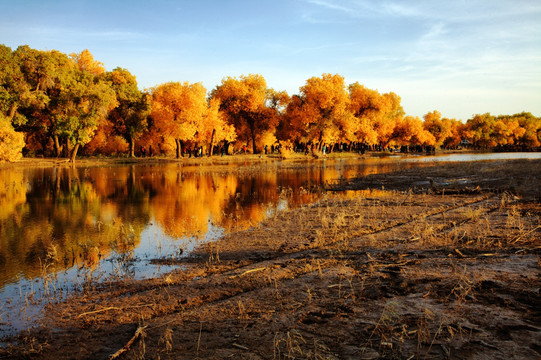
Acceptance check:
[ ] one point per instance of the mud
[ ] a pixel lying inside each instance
(433, 263)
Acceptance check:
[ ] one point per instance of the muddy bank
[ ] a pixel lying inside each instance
(439, 262)
(519, 177)
(162, 159)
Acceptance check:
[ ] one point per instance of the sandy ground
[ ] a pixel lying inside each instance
(434, 263)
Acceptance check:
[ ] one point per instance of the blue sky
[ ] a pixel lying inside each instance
(458, 57)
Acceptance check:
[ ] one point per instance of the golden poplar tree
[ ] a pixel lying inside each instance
(178, 110)
(244, 103)
(326, 114)
(214, 128)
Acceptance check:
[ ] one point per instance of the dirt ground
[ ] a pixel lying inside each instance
(434, 263)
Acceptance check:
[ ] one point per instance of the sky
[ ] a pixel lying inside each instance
(461, 57)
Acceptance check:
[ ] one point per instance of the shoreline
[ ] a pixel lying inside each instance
(83, 161)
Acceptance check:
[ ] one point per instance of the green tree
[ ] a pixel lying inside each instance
(47, 75)
(129, 117)
(14, 90)
(83, 103)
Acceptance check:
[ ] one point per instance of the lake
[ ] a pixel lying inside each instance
(63, 229)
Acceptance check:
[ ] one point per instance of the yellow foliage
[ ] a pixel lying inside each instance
(248, 93)
(85, 61)
(325, 110)
(214, 126)
(377, 114)
(11, 142)
(178, 109)
(104, 144)
(410, 130)
(266, 138)
(249, 105)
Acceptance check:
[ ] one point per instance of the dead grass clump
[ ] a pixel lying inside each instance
(292, 345)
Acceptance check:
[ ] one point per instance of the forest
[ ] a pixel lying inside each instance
(58, 105)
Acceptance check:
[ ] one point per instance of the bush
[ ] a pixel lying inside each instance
(11, 142)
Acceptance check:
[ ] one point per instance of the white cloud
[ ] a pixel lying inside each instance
(399, 9)
(329, 5)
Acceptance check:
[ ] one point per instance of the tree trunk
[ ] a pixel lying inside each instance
(57, 147)
(253, 141)
(211, 147)
(12, 111)
(132, 147)
(66, 149)
(179, 148)
(74, 153)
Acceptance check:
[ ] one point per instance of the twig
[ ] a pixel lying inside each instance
(524, 234)
(239, 346)
(459, 253)
(247, 272)
(126, 347)
(112, 308)
(100, 310)
(403, 263)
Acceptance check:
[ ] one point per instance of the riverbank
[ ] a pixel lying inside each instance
(433, 262)
(206, 160)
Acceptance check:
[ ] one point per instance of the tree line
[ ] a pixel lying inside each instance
(54, 104)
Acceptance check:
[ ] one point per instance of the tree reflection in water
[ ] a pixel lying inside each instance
(66, 217)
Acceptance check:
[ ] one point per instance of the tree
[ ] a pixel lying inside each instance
(377, 114)
(214, 128)
(85, 62)
(455, 133)
(437, 127)
(325, 110)
(529, 133)
(177, 110)
(66, 97)
(129, 117)
(480, 129)
(14, 90)
(13, 93)
(291, 126)
(410, 131)
(364, 104)
(26, 75)
(244, 103)
(83, 103)
(46, 74)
